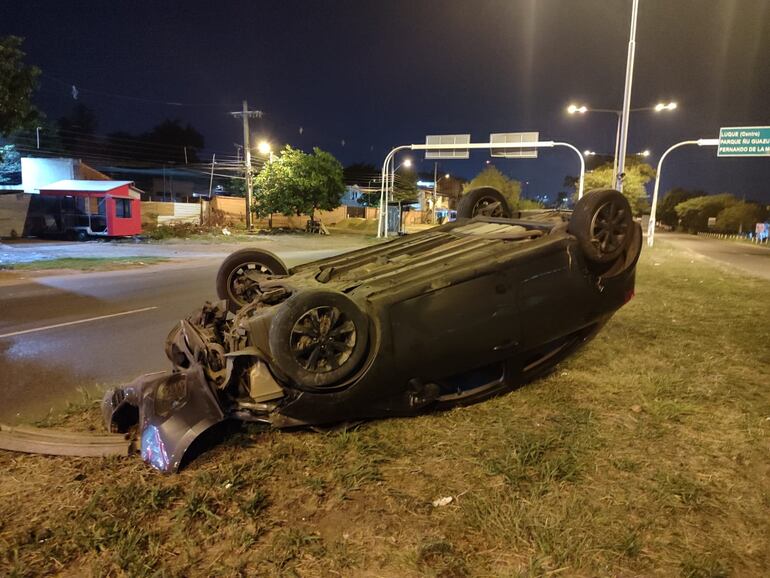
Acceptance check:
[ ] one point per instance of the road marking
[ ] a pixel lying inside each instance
(78, 322)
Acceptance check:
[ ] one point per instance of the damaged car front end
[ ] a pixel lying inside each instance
(449, 316)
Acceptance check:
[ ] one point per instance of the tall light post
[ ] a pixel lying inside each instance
(436, 179)
(390, 192)
(617, 167)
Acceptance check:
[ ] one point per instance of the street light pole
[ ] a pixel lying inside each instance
(661, 106)
(654, 208)
(627, 98)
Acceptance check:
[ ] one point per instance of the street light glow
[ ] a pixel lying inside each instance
(446, 176)
(264, 147)
(665, 106)
(645, 153)
(588, 153)
(573, 108)
(407, 163)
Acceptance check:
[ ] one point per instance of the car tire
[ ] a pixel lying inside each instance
(318, 338)
(485, 201)
(230, 283)
(602, 223)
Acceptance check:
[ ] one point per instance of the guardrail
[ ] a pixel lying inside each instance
(754, 240)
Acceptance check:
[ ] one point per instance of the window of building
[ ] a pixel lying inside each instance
(123, 208)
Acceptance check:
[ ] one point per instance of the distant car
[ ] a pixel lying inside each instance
(449, 316)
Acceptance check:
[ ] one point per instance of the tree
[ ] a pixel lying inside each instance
(695, 213)
(170, 139)
(740, 217)
(296, 183)
(17, 83)
(405, 185)
(77, 131)
(637, 175)
(362, 174)
(492, 177)
(666, 212)
(10, 164)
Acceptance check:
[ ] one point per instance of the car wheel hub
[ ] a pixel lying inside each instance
(322, 339)
(488, 207)
(609, 227)
(242, 287)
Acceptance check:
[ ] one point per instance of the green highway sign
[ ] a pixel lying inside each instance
(744, 141)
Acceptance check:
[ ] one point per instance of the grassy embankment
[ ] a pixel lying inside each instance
(645, 454)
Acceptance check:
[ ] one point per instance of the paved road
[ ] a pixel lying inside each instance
(745, 257)
(44, 368)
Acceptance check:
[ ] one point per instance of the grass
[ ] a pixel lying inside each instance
(644, 454)
(85, 263)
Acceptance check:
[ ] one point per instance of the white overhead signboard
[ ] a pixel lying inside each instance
(448, 139)
(514, 137)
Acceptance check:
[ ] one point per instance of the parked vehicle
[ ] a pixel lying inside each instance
(449, 316)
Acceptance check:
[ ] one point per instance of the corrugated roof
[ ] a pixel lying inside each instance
(86, 186)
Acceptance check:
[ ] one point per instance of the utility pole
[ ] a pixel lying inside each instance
(246, 114)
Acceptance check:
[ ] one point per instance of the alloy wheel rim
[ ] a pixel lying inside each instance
(488, 207)
(609, 227)
(322, 339)
(242, 288)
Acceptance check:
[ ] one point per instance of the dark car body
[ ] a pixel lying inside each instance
(448, 316)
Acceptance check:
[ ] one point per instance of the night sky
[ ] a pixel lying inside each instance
(377, 74)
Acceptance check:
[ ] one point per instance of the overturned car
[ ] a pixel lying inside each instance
(449, 316)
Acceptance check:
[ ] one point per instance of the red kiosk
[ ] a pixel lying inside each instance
(80, 209)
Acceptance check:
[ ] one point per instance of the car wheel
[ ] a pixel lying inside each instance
(236, 276)
(485, 201)
(318, 338)
(602, 223)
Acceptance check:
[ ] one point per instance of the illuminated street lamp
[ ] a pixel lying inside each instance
(644, 153)
(264, 147)
(588, 153)
(573, 108)
(582, 109)
(665, 106)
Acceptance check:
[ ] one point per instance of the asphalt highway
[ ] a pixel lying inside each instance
(746, 258)
(61, 334)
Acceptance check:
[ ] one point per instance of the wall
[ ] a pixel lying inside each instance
(157, 213)
(234, 210)
(13, 214)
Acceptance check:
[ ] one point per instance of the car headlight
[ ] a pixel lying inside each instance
(170, 395)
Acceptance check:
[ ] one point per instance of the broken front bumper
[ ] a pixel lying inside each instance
(171, 410)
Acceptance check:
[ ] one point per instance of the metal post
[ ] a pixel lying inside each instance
(435, 192)
(37, 133)
(627, 97)
(247, 163)
(615, 159)
(382, 232)
(211, 178)
(654, 208)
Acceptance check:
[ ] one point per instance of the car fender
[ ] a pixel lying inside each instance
(168, 424)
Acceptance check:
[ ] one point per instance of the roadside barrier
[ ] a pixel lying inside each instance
(745, 238)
